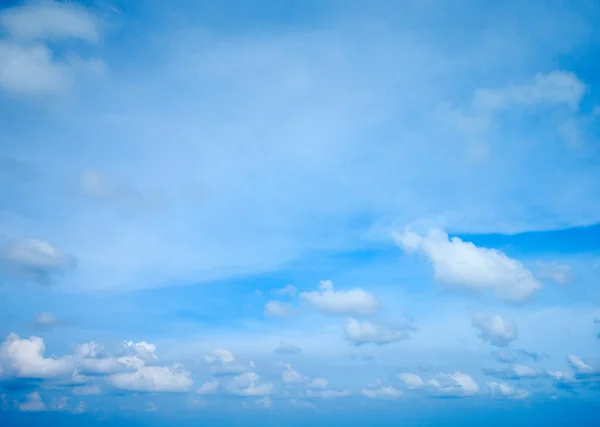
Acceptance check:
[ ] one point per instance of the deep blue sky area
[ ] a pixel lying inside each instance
(281, 213)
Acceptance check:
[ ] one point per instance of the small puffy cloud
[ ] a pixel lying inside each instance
(142, 349)
(505, 390)
(287, 348)
(464, 265)
(208, 388)
(86, 390)
(291, 376)
(318, 383)
(328, 394)
(24, 358)
(411, 381)
(288, 290)
(153, 379)
(457, 384)
(91, 359)
(224, 362)
(494, 329)
(381, 393)
(33, 403)
(49, 20)
(45, 320)
(359, 333)
(513, 372)
(278, 309)
(248, 384)
(560, 273)
(353, 302)
(32, 259)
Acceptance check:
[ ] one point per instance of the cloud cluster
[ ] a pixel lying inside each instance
(359, 333)
(494, 329)
(457, 384)
(354, 302)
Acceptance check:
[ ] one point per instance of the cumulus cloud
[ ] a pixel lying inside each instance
(411, 381)
(291, 376)
(494, 329)
(457, 384)
(33, 403)
(153, 379)
(142, 349)
(45, 320)
(359, 333)
(92, 359)
(27, 63)
(278, 309)
(353, 302)
(35, 260)
(24, 358)
(287, 348)
(505, 390)
(377, 392)
(224, 362)
(210, 387)
(248, 384)
(464, 265)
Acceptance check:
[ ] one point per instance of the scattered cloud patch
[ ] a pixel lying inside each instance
(457, 384)
(291, 376)
(359, 333)
(86, 390)
(33, 403)
(505, 390)
(223, 362)
(171, 379)
(513, 372)
(249, 385)
(318, 383)
(288, 290)
(278, 309)
(285, 347)
(24, 358)
(208, 388)
(411, 381)
(328, 394)
(464, 265)
(494, 329)
(559, 273)
(45, 320)
(355, 302)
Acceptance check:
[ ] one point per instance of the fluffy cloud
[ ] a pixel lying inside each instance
(353, 302)
(27, 64)
(464, 265)
(505, 390)
(33, 403)
(208, 388)
(33, 259)
(494, 329)
(359, 333)
(24, 358)
(153, 379)
(248, 384)
(278, 309)
(224, 362)
(91, 359)
(143, 350)
(453, 385)
(45, 320)
(412, 381)
(291, 376)
(287, 348)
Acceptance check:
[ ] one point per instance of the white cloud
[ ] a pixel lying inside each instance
(143, 350)
(464, 265)
(579, 366)
(291, 376)
(287, 348)
(457, 384)
(381, 393)
(278, 309)
(560, 273)
(328, 394)
(91, 359)
(353, 302)
(513, 372)
(289, 290)
(224, 362)
(317, 383)
(221, 355)
(49, 20)
(208, 388)
(248, 384)
(33, 403)
(86, 390)
(359, 333)
(494, 329)
(24, 358)
(412, 381)
(153, 379)
(505, 390)
(60, 404)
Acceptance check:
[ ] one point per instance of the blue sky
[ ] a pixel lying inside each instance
(280, 213)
